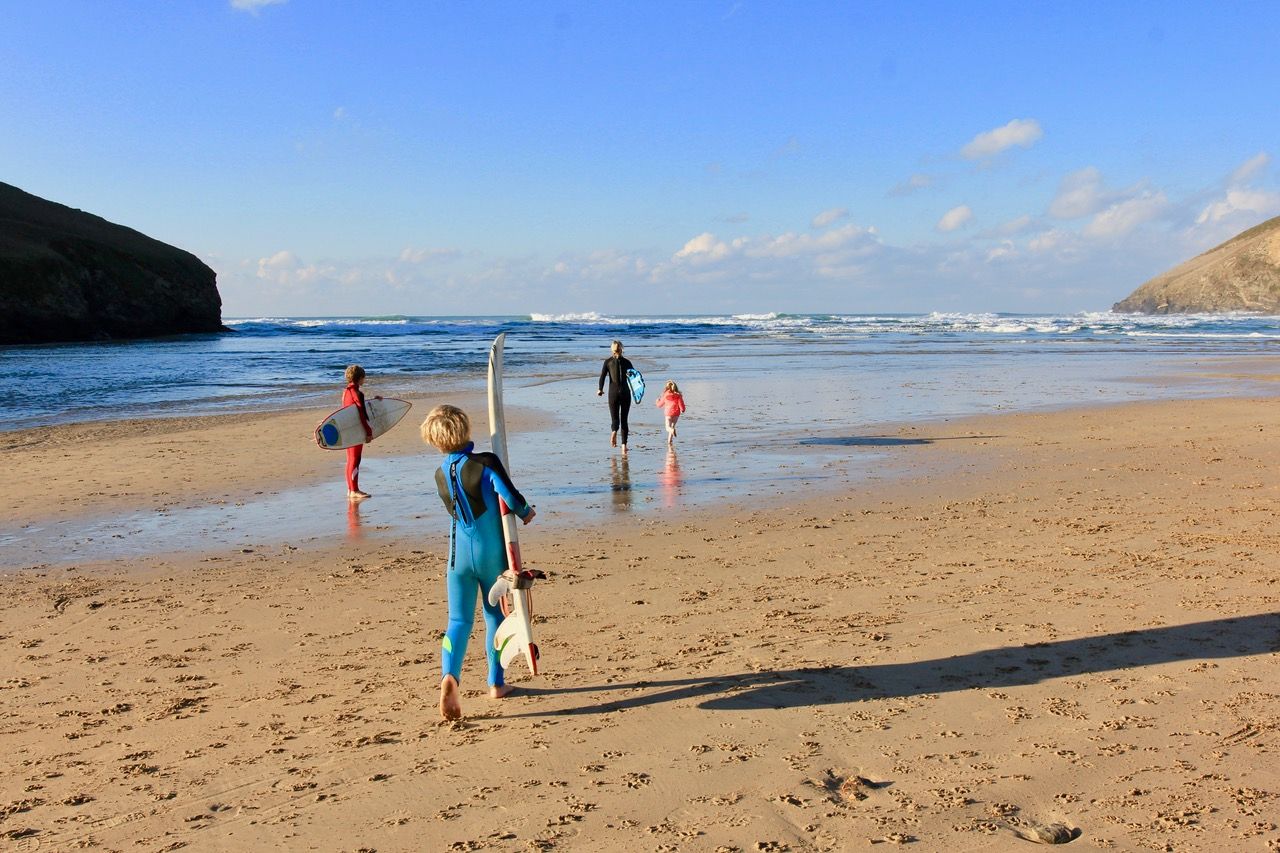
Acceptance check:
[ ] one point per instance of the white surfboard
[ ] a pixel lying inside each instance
(515, 634)
(342, 429)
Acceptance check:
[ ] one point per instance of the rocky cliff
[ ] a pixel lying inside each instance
(67, 275)
(1243, 274)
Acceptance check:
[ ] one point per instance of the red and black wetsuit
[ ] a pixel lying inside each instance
(352, 394)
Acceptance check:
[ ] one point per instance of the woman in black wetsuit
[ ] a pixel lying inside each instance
(616, 367)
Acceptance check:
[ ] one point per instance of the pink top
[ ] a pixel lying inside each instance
(671, 403)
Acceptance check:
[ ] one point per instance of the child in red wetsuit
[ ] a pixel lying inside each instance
(353, 394)
(671, 401)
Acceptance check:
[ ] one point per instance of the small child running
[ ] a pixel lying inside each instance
(671, 401)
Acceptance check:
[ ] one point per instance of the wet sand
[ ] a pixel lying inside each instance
(1068, 618)
(146, 488)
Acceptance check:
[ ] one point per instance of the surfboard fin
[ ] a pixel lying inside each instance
(505, 583)
(499, 590)
(510, 640)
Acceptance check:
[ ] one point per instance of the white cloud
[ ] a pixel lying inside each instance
(705, 247)
(1048, 241)
(1015, 226)
(1009, 229)
(784, 259)
(1259, 202)
(252, 6)
(1250, 169)
(792, 244)
(1092, 246)
(1022, 132)
(956, 217)
(1004, 251)
(1124, 216)
(1241, 198)
(1081, 193)
(288, 273)
(845, 265)
(283, 267)
(339, 114)
(1114, 212)
(604, 265)
(782, 265)
(826, 217)
(912, 184)
(410, 255)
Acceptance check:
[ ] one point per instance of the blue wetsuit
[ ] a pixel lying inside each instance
(470, 485)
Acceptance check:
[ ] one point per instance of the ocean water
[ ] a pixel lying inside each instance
(895, 366)
(778, 404)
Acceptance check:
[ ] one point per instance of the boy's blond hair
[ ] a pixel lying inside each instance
(671, 386)
(447, 429)
(354, 372)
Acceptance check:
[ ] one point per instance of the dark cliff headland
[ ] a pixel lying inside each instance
(67, 275)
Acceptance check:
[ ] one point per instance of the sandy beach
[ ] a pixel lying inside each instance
(1063, 619)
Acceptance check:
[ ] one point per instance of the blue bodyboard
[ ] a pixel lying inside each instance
(636, 383)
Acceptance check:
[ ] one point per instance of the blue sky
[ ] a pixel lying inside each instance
(444, 158)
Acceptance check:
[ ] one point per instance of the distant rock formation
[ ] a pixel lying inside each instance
(67, 275)
(1243, 274)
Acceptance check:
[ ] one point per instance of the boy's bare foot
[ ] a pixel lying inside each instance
(624, 450)
(613, 439)
(501, 691)
(357, 496)
(450, 700)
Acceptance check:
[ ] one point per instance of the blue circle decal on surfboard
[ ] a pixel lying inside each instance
(330, 434)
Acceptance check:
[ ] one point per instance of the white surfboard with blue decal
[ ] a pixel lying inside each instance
(342, 429)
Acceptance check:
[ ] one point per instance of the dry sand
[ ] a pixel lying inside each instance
(1070, 618)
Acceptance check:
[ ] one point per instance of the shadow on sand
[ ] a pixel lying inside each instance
(884, 440)
(990, 668)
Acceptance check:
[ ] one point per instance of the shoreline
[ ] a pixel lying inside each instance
(413, 355)
(74, 499)
(158, 471)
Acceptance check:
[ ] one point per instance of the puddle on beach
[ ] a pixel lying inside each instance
(569, 490)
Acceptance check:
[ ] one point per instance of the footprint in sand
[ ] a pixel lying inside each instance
(1046, 833)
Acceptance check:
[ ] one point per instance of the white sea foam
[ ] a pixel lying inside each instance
(1226, 336)
(297, 356)
(587, 317)
(595, 318)
(358, 321)
(1011, 327)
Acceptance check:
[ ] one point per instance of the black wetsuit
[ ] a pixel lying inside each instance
(616, 367)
